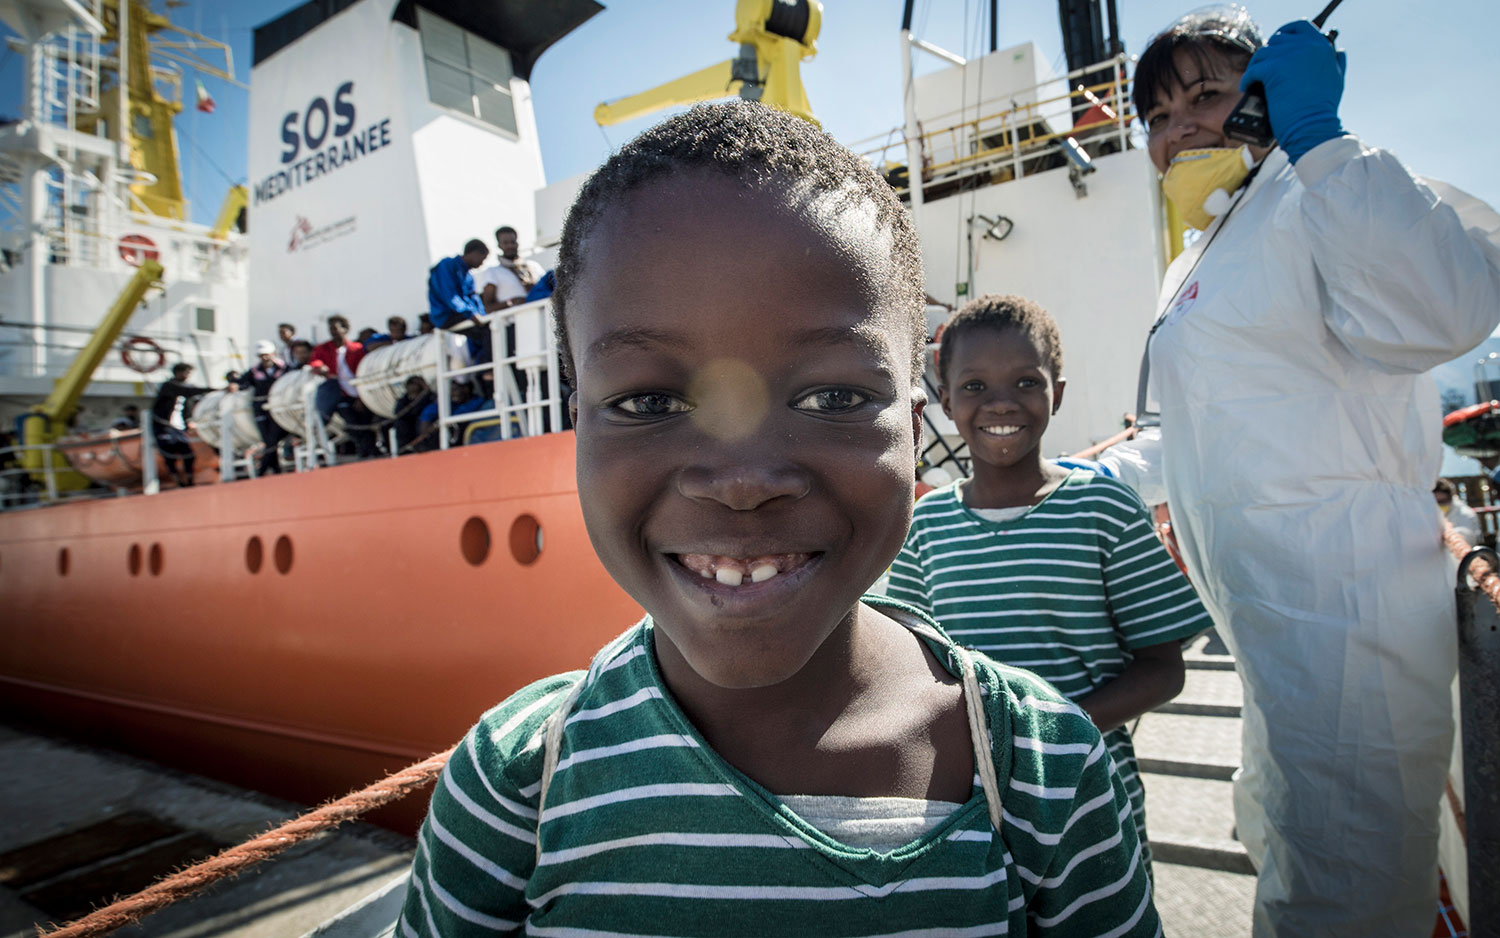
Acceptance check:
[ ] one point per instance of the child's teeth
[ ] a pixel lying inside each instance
(729, 577)
(763, 573)
(705, 574)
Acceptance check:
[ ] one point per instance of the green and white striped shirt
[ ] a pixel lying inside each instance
(647, 831)
(1066, 590)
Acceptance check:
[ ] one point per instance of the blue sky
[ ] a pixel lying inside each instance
(1419, 83)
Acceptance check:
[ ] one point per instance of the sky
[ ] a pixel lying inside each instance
(1418, 84)
(1419, 79)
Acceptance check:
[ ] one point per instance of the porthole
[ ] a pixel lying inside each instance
(525, 539)
(154, 559)
(474, 541)
(133, 560)
(62, 561)
(254, 554)
(282, 554)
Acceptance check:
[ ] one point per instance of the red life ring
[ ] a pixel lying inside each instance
(139, 345)
(136, 249)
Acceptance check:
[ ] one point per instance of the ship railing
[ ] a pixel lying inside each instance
(88, 239)
(1009, 140)
(211, 353)
(18, 488)
(523, 348)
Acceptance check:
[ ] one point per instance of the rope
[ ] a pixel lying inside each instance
(235, 859)
(1485, 577)
(1098, 448)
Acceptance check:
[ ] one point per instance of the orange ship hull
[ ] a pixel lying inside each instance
(304, 634)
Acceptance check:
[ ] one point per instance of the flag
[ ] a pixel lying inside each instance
(205, 103)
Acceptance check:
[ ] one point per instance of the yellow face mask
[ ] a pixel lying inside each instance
(1200, 182)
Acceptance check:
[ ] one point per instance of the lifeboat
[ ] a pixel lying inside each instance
(113, 458)
(1474, 431)
(208, 418)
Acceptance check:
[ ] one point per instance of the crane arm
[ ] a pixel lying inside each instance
(235, 201)
(706, 84)
(63, 400)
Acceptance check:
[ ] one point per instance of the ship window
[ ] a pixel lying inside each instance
(466, 73)
(141, 126)
(203, 319)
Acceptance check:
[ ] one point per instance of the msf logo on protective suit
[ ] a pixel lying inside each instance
(322, 137)
(1184, 302)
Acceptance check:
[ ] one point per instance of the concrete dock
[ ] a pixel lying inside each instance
(81, 825)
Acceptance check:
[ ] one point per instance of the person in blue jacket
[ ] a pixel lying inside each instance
(452, 299)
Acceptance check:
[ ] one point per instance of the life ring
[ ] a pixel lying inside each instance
(138, 346)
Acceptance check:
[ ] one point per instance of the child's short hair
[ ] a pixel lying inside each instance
(1000, 312)
(760, 147)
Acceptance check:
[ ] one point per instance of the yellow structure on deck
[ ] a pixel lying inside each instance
(147, 114)
(49, 419)
(775, 36)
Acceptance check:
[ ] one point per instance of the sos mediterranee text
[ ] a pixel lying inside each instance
(320, 140)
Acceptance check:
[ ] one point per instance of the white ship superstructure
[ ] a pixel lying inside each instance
(383, 136)
(89, 188)
(1034, 186)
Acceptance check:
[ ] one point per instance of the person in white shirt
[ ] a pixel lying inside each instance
(287, 333)
(507, 282)
(1463, 518)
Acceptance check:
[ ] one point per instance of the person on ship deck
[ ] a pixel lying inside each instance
(287, 333)
(129, 419)
(301, 354)
(411, 435)
(169, 422)
(338, 359)
(461, 400)
(1298, 438)
(1463, 518)
(453, 300)
(508, 281)
(259, 378)
(395, 332)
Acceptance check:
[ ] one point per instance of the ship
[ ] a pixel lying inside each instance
(305, 633)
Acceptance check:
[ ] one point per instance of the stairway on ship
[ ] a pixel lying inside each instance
(1187, 751)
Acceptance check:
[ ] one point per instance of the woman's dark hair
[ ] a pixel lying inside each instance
(1211, 38)
(760, 147)
(1001, 313)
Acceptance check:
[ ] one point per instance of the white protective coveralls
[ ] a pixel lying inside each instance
(1299, 440)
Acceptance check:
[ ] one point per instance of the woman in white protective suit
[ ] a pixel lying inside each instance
(1298, 439)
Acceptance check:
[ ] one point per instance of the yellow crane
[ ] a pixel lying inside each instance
(143, 120)
(775, 37)
(49, 419)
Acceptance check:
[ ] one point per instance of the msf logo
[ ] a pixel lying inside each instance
(300, 231)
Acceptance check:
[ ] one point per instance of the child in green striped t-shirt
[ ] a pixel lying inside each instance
(1039, 566)
(740, 309)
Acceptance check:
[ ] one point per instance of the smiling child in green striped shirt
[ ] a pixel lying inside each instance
(740, 308)
(1038, 566)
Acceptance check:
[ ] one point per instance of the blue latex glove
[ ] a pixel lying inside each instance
(1073, 462)
(1304, 80)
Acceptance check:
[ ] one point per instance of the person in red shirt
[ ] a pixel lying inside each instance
(339, 359)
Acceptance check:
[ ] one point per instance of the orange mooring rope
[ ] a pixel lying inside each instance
(1484, 576)
(185, 882)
